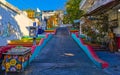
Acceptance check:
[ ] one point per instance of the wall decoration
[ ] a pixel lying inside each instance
(14, 59)
(13, 62)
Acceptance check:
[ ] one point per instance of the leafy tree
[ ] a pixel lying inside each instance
(73, 11)
(66, 19)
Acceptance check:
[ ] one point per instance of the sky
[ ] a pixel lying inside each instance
(41, 4)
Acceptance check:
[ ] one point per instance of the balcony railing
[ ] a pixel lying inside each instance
(98, 3)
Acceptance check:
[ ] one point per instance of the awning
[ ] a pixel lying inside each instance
(102, 9)
(76, 21)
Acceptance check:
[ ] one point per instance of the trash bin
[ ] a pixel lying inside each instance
(16, 59)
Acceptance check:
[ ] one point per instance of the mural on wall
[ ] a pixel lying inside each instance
(9, 28)
(6, 31)
(8, 24)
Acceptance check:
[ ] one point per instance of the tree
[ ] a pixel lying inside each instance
(73, 11)
(66, 19)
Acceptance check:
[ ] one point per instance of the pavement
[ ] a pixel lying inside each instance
(113, 59)
(61, 56)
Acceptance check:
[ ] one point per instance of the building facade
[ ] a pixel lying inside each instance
(13, 23)
(53, 18)
(103, 16)
(30, 14)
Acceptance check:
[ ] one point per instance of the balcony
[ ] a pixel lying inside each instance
(98, 4)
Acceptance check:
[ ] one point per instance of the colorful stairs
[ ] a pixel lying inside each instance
(90, 52)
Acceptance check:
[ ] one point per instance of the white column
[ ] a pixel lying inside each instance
(80, 29)
(119, 17)
(117, 30)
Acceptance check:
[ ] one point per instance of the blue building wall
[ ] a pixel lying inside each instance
(9, 29)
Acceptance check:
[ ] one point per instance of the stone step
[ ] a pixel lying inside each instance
(99, 48)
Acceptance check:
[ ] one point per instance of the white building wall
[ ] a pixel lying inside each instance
(9, 28)
(47, 14)
(12, 25)
(23, 22)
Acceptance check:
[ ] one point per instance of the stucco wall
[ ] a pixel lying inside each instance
(9, 29)
(23, 22)
(12, 25)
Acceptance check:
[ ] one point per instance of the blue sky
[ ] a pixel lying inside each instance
(41, 4)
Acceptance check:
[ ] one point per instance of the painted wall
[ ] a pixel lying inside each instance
(12, 25)
(23, 21)
(9, 29)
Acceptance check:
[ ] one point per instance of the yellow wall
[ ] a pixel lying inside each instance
(30, 14)
(52, 21)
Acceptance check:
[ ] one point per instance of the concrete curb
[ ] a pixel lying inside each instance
(90, 53)
(38, 48)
